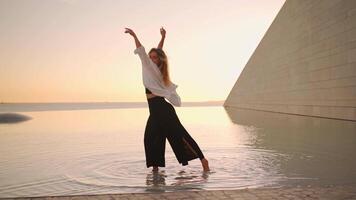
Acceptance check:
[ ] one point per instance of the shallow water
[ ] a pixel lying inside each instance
(71, 152)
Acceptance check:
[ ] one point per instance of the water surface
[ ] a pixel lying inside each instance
(96, 151)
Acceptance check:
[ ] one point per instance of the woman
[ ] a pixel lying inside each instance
(163, 121)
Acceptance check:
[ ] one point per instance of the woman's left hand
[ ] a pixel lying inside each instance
(163, 32)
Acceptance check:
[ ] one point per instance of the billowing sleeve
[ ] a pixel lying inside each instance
(147, 64)
(142, 54)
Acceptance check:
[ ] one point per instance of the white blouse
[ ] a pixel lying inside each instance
(153, 79)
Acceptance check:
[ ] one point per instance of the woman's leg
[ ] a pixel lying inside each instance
(183, 145)
(155, 143)
(190, 144)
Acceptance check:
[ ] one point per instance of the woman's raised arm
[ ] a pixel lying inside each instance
(163, 33)
(132, 33)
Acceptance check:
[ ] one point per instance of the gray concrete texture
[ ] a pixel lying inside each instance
(305, 64)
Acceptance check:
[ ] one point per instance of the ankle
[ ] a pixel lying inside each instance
(155, 168)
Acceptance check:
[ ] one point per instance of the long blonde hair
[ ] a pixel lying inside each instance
(164, 65)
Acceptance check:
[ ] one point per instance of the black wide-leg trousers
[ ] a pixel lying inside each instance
(163, 123)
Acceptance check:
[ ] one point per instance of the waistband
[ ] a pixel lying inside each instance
(158, 106)
(155, 98)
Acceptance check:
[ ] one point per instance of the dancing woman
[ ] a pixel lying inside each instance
(163, 121)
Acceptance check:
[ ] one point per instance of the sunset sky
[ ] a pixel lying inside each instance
(77, 51)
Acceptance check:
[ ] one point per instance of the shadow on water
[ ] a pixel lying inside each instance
(317, 150)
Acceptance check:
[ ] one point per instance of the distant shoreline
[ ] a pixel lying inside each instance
(29, 107)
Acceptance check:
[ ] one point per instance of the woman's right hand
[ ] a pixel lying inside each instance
(129, 31)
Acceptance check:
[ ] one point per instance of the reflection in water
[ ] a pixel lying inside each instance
(156, 181)
(317, 150)
(185, 178)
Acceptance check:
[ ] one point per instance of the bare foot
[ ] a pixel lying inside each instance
(155, 169)
(205, 164)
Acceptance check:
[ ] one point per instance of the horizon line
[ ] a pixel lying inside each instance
(208, 101)
(50, 106)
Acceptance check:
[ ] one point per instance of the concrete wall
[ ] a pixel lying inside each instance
(305, 64)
